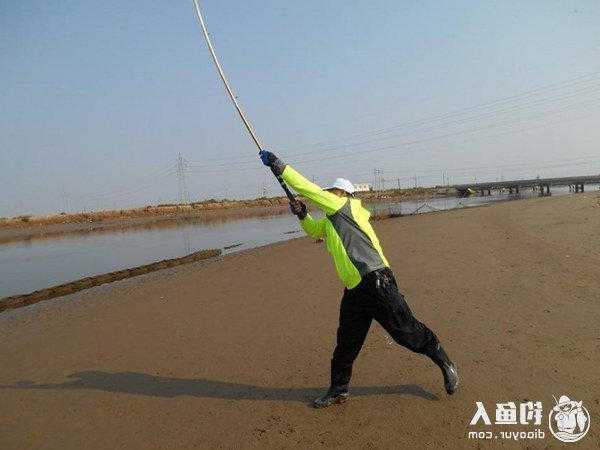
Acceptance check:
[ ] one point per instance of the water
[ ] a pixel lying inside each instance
(446, 203)
(36, 264)
(436, 204)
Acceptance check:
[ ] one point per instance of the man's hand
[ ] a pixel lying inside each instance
(298, 209)
(270, 160)
(267, 157)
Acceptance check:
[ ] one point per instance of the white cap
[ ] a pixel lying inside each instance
(344, 185)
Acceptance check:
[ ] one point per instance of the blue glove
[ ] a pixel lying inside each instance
(267, 157)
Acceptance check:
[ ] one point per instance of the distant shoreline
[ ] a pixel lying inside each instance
(28, 227)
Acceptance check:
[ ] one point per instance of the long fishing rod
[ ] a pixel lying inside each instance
(232, 96)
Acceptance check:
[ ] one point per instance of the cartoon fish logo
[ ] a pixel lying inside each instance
(569, 420)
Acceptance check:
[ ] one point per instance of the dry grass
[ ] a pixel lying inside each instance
(166, 210)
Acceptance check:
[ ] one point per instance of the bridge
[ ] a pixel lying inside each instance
(541, 184)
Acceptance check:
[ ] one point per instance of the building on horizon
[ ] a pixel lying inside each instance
(363, 187)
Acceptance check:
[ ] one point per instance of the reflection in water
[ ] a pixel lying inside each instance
(56, 231)
(186, 239)
(30, 265)
(26, 266)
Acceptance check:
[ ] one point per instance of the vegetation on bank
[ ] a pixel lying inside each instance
(189, 209)
(18, 301)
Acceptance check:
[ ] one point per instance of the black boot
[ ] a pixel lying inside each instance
(450, 378)
(447, 367)
(331, 397)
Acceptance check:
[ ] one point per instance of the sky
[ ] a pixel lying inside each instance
(98, 99)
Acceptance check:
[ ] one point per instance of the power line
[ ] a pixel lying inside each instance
(451, 133)
(115, 194)
(117, 191)
(419, 141)
(555, 94)
(593, 76)
(506, 123)
(500, 105)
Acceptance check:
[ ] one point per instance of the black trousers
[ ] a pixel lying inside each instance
(376, 297)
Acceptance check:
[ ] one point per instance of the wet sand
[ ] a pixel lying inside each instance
(229, 353)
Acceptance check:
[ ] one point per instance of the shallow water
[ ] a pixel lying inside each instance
(31, 265)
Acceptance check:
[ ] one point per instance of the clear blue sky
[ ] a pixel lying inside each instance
(98, 98)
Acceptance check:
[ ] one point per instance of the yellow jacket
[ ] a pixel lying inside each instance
(349, 236)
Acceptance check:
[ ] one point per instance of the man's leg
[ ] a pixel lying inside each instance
(352, 330)
(395, 316)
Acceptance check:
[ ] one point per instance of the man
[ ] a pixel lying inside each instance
(371, 291)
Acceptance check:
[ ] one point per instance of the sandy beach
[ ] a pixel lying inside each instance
(229, 353)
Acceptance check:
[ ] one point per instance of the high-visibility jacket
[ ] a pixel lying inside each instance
(349, 237)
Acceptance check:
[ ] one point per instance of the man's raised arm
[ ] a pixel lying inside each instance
(326, 201)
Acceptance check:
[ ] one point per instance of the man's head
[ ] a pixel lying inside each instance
(342, 188)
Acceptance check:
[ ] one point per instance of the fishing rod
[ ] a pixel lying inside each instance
(232, 96)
